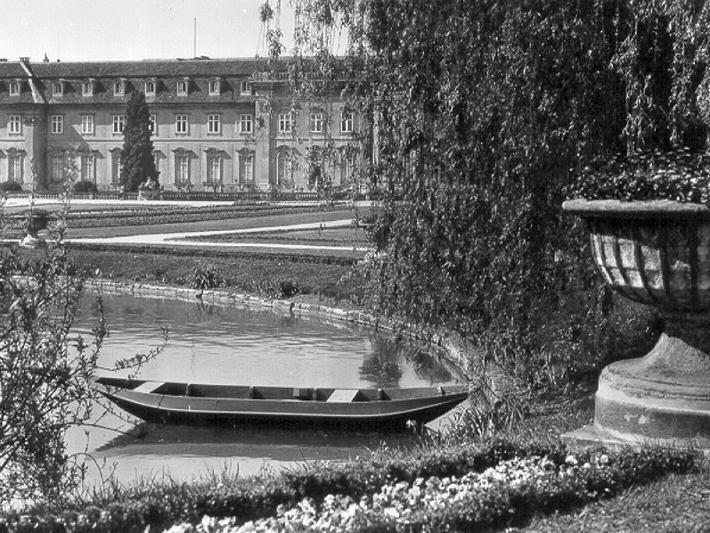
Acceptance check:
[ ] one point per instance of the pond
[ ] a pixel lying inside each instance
(209, 344)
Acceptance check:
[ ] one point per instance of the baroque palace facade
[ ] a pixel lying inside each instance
(217, 125)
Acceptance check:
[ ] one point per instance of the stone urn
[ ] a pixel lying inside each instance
(656, 253)
(38, 221)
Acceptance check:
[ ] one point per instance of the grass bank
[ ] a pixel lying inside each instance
(267, 275)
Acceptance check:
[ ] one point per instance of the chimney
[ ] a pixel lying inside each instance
(24, 60)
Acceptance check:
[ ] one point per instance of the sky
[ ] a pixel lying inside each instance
(95, 30)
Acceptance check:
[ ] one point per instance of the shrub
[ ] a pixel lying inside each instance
(85, 186)
(205, 278)
(508, 493)
(521, 483)
(679, 175)
(10, 186)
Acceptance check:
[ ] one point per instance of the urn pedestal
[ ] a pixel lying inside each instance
(656, 253)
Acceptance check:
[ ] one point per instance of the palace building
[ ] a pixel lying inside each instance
(217, 125)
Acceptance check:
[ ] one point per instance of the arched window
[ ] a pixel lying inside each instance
(214, 166)
(246, 166)
(15, 165)
(183, 171)
(315, 166)
(116, 167)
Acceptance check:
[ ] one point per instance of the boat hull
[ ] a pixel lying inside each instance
(391, 414)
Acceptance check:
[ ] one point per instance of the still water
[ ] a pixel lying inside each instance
(208, 344)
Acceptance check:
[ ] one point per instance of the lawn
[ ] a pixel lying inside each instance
(325, 237)
(271, 276)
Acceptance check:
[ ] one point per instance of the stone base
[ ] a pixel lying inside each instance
(662, 398)
(592, 436)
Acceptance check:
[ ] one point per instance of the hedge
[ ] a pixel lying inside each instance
(162, 506)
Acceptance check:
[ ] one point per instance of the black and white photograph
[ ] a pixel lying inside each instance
(354, 266)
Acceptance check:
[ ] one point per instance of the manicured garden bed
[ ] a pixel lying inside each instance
(325, 237)
(272, 276)
(155, 219)
(499, 484)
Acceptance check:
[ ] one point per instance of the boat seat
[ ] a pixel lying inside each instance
(344, 395)
(148, 387)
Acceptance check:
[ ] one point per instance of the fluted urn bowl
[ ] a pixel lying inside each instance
(656, 253)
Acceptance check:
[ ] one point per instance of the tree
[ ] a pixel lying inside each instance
(46, 369)
(137, 163)
(484, 116)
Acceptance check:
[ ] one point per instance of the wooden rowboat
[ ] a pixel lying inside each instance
(191, 403)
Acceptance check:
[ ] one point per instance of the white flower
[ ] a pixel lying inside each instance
(391, 512)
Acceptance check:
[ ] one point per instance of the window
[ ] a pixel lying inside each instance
(245, 87)
(153, 124)
(88, 167)
(213, 124)
(316, 122)
(14, 88)
(246, 167)
(57, 124)
(246, 123)
(347, 165)
(346, 122)
(119, 88)
(87, 88)
(119, 122)
(213, 87)
(149, 87)
(182, 87)
(315, 166)
(116, 166)
(56, 167)
(14, 168)
(285, 122)
(181, 124)
(156, 159)
(182, 169)
(284, 167)
(214, 169)
(57, 88)
(87, 124)
(14, 125)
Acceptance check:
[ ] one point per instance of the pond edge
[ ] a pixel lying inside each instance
(451, 346)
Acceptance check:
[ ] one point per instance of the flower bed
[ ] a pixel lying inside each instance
(505, 494)
(500, 483)
(166, 215)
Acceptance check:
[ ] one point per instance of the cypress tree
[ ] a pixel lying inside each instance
(137, 163)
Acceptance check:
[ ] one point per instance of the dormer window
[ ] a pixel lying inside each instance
(87, 88)
(119, 87)
(149, 87)
(214, 87)
(182, 86)
(58, 88)
(14, 88)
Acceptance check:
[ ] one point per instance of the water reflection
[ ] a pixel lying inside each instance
(209, 344)
(383, 365)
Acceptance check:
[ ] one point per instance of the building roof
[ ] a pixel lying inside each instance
(167, 73)
(11, 70)
(147, 68)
